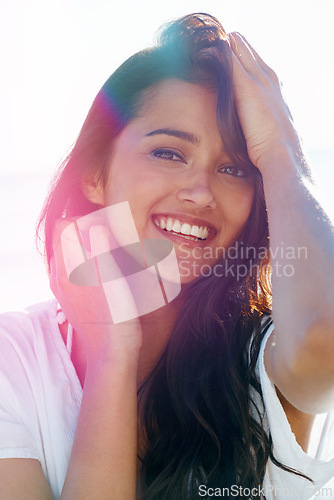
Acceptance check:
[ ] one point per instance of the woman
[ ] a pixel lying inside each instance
(192, 397)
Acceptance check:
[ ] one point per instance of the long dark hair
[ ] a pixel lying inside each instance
(195, 405)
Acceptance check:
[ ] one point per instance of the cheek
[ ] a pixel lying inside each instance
(238, 205)
(245, 205)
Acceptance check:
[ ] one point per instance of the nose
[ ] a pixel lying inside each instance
(198, 191)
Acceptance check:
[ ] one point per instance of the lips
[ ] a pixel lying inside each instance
(187, 229)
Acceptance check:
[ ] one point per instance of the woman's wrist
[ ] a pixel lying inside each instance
(117, 364)
(114, 350)
(104, 339)
(284, 161)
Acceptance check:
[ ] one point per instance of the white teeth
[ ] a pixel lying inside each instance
(203, 233)
(177, 226)
(169, 224)
(188, 237)
(195, 231)
(186, 228)
(183, 228)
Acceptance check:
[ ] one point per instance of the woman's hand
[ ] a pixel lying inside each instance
(264, 116)
(88, 306)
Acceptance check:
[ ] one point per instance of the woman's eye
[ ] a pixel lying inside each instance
(232, 170)
(168, 154)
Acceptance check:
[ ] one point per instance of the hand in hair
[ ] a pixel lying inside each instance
(264, 115)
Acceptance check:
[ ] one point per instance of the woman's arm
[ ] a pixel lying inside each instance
(301, 362)
(103, 459)
(300, 359)
(23, 478)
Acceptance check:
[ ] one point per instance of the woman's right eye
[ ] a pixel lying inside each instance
(168, 154)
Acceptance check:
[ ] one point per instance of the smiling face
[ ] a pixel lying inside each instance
(169, 164)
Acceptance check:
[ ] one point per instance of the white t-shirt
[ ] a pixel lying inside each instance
(40, 396)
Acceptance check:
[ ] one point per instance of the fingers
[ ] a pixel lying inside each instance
(244, 50)
(73, 250)
(99, 240)
(245, 56)
(63, 262)
(73, 244)
(117, 291)
(73, 260)
(105, 264)
(243, 53)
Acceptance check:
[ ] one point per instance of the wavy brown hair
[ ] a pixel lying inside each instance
(195, 405)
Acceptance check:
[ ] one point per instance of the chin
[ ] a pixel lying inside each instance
(190, 271)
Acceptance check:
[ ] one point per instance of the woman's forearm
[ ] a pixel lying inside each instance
(302, 257)
(103, 459)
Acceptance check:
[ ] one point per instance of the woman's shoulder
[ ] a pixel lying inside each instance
(34, 360)
(28, 334)
(18, 324)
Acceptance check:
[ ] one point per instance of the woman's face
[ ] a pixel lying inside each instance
(169, 164)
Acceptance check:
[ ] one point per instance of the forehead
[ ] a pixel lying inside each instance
(174, 90)
(178, 103)
(174, 87)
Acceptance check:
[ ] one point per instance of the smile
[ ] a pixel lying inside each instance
(176, 226)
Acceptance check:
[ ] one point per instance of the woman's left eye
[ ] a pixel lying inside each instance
(232, 170)
(168, 154)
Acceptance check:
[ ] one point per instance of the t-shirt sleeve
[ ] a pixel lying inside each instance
(16, 398)
(320, 466)
(40, 393)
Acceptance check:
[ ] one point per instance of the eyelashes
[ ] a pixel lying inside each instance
(176, 156)
(169, 154)
(232, 170)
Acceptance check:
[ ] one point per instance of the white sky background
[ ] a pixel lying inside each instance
(57, 54)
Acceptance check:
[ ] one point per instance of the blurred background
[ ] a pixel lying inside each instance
(56, 54)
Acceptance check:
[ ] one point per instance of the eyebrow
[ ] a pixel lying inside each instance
(186, 136)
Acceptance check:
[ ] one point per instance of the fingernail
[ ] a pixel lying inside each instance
(72, 249)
